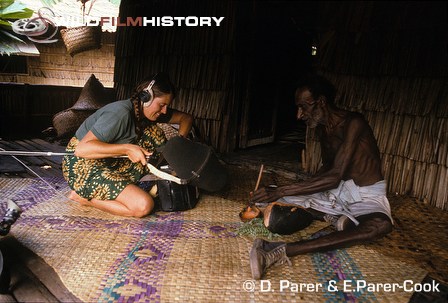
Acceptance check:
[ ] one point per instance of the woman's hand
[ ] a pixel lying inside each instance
(136, 153)
(185, 122)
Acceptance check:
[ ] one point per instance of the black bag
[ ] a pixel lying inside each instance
(176, 197)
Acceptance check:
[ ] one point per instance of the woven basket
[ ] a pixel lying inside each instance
(67, 122)
(81, 38)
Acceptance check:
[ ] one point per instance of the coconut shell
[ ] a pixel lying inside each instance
(250, 212)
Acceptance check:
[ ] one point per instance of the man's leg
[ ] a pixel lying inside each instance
(371, 227)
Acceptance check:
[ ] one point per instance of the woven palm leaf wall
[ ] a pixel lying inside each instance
(201, 62)
(389, 62)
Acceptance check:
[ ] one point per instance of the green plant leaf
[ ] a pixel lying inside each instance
(14, 7)
(5, 24)
(21, 14)
(5, 3)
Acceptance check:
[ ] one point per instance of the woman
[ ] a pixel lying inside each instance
(96, 175)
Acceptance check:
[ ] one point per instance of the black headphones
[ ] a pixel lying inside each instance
(147, 94)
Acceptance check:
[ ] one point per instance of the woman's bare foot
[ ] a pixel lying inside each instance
(75, 197)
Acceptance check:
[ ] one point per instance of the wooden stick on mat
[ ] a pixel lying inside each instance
(250, 212)
(259, 177)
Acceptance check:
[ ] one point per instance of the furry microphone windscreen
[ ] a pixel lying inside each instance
(196, 162)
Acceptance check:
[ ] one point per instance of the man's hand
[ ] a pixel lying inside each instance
(266, 194)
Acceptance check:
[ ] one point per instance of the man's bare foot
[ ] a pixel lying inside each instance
(75, 197)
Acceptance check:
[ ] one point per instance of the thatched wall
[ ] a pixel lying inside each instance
(389, 62)
(201, 61)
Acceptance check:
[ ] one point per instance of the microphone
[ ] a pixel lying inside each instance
(12, 214)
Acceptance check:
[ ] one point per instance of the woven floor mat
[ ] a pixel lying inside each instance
(187, 256)
(420, 236)
(243, 179)
(420, 233)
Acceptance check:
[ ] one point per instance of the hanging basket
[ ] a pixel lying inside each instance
(81, 38)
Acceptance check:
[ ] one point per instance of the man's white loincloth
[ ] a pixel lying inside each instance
(348, 199)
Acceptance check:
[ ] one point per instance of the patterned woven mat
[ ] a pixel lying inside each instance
(186, 256)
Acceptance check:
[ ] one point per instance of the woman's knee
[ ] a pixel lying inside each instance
(143, 207)
(138, 202)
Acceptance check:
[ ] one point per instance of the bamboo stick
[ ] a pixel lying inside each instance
(259, 177)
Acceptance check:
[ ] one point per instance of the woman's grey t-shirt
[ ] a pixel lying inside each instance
(114, 123)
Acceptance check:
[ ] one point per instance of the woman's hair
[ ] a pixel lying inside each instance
(318, 86)
(162, 86)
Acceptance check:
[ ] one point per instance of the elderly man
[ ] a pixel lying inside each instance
(349, 189)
